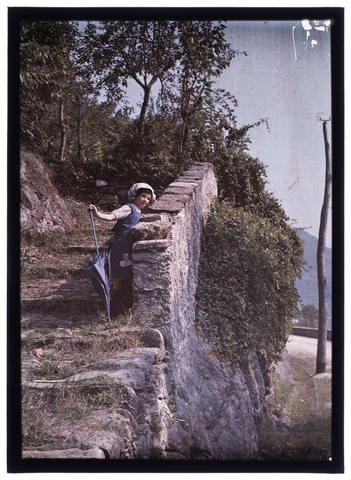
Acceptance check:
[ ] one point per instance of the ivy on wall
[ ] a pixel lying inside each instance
(246, 296)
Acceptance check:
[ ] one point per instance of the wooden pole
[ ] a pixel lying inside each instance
(321, 270)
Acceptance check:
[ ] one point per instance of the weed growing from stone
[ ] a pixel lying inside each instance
(50, 370)
(35, 431)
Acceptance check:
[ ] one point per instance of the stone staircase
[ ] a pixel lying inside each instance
(86, 383)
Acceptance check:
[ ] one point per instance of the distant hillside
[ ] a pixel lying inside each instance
(308, 285)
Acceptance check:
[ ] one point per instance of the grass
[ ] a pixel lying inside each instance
(78, 349)
(54, 401)
(305, 406)
(43, 410)
(35, 430)
(50, 370)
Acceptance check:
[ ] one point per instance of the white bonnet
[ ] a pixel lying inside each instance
(132, 192)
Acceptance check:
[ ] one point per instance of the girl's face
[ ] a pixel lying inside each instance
(143, 200)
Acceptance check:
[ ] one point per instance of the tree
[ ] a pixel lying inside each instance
(62, 126)
(215, 137)
(94, 128)
(139, 50)
(45, 63)
(321, 271)
(204, 55)
(309, 315)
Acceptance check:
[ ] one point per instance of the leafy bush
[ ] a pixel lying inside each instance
(246, 292)
(151, 156)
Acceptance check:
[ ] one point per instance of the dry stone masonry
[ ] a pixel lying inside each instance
(166, 263)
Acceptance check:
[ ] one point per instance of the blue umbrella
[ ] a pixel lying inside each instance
(99, 272)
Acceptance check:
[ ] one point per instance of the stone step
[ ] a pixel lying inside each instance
(69, 453)
(86, 249)
(88, 303)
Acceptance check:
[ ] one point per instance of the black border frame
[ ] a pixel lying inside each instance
(15, 463)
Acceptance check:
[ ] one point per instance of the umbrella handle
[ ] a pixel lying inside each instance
(92, 222)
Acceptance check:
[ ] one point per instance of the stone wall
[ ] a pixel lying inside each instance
(309, 332)
(198, 407)
(165, 267)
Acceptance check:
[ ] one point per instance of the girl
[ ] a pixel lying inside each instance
(140, 196)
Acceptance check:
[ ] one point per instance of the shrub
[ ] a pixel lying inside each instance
(150, 156)
(246, 294)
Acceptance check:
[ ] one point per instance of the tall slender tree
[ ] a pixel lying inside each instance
(62, 126)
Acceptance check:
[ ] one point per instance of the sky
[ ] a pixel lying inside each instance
(285, 77)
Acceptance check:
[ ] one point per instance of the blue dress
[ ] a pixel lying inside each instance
(121, 249)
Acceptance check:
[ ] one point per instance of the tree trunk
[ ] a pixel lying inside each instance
(63, 129)
(79, 150)
(321, 271)
(182, 140)
(184, 113)
(147, 89)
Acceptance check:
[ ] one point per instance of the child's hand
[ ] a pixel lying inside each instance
(92, 207)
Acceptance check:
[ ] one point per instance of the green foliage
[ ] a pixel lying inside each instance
(151, 156)
(188, 120)
(246, 294)
(203, 55)
(101, 129)
(43, 50)
(309, 316)
(45, 63)
(119, 51)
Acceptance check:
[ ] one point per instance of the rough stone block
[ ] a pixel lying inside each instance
(151, 217)
(151, 230)
(152, 338)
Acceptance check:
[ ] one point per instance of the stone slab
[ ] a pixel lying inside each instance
(182, 183)
(151, 230)
(151, 217)
(159, 244)
(69, 453)
(180, 189)
(169, 207)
